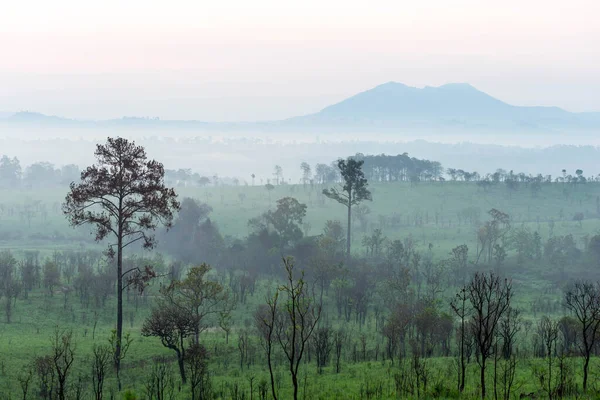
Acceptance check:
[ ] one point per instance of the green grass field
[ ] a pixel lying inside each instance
(31, 220)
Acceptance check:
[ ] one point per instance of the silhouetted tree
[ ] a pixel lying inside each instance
(306, 172)
(293, 323)
(172, 325)
(583, 299)
(10, 171)
(100, 361)
(287, 219)
(459, 306)
(353, 191)
(196, 362)
(489, 297)
(199, 297)
(63, 356)
(123, 195)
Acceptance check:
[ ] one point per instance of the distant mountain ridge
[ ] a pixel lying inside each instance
(388, 106)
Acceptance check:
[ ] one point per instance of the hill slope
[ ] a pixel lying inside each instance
(390, 106)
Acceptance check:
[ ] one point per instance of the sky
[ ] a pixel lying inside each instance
(249, 60)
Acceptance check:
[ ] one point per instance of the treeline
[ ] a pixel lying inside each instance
(377, 168)
(40, 174)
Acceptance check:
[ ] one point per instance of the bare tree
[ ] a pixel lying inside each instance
(25, 378)
(196, 362)
(339, 338)
(510, 325)
(548, 332)
(489, 296)
(63, 356)
(265, 318)
(160, 385)
(459, 306)
(583, 299)
(123, 196)
(295, 321)
(46, 377)
(100, 362)
(322, 344)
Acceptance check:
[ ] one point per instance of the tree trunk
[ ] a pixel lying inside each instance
(119, 305)
(482, 377)
(180, 357)
(550, 373)
(463, 367)
(295, 382)
(349, 235)
(271, 368)
(585, 371)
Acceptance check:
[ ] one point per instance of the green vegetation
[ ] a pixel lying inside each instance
(400, 318)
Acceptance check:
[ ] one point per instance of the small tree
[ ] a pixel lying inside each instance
(459, 306)
(287, 219)
(123, 196)
(489, 297)
(306, 173)
(353, 191)
(100, 363)
(196, 362)
(172, 324)
(292, 324)
(200, 297)
(548, 332)
(322, 343)
(265, 318)
(63, 356)
(159, 384)
(583, 299)
(25, 379)
(9, 286)
(278, 174)
(269, 188)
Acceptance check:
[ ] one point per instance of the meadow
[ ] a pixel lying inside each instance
(436, 217)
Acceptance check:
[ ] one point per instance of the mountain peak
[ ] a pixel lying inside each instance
(393, 100)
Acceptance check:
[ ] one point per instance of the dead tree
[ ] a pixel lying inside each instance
(489, 297)
(100, 362)
(583, 299)
(265, 323)
(322, 344)
(548, 332)
(292, 323)
(196, 362)
(63, 356)
(459, 306)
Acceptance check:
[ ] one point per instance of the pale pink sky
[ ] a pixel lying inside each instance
(264, 59)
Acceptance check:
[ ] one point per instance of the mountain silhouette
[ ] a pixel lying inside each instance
(389, 106)
(457, 104)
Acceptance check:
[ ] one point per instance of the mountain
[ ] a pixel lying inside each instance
(390, 106)
(453, 105)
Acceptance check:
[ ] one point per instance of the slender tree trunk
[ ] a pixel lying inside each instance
(463, 366)
(295, 383)
(269, 348)
(349, 235)
(482, 377)
(550, 372)
(180, 357)
(585, 371)
(119, 304)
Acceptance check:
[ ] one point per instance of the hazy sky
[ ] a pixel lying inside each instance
(269, 59)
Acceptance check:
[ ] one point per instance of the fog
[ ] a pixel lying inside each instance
(332, 199)
(230, 152)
